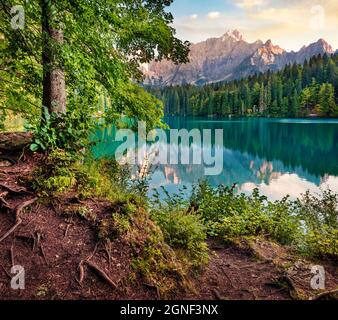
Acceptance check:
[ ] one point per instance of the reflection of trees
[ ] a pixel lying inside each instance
(313, 147)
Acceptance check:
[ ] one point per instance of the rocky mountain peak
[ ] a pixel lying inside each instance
(321, 45)
(268, 43)
(233, 34)
(270, 47)
(325, 46)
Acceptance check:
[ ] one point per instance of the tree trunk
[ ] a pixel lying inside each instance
(54, 85)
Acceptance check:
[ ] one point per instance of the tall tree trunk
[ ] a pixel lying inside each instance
(54, 85)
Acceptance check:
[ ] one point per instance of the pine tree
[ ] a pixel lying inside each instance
(327, 106)
(262, 100)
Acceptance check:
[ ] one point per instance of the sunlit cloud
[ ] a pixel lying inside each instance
(246, 4)
(193, 17)
(214, 15)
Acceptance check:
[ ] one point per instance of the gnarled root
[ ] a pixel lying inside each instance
(11, 189)
(18, 219)
(101, 273)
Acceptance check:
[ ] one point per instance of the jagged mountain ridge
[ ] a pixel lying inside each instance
(227, 58)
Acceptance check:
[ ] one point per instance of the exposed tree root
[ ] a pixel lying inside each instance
(66, 231)
(325, 294)
(6, 272)
(107, 248)
(10, 160)
(43, 254)
(3, 202)
(217, 295)
(81, 270)
(18, 190)
(11, 230)
(294, 294)
(11, 253)
(18, 219)
(37, 239)
(3, 194)
(101, 273)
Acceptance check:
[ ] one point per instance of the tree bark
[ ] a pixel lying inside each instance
(54, 85)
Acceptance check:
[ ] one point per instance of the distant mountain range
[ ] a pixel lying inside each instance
(228, 58)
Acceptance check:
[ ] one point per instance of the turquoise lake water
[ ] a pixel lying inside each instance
(278, 156)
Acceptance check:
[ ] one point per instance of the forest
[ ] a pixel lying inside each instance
(304, 90)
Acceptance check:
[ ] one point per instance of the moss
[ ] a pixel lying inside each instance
(153, 258)
(109, 229)
(81, 210)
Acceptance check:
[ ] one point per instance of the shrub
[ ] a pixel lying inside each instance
(309, 224)
(184, 231)
(322, 243)
(182, 228)
(69, 132)
(56, 174)
(284, 225)
(319, 214)
(109, 229)
(228, 214)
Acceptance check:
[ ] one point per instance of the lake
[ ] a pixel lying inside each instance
(277, 156)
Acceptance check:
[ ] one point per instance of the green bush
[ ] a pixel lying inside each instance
(322, 243)
(61, 172)
(185, 231)
(69, 132)
(284, 225)
(319, 214)
(182, 229)
(228, 214)
(309, 224)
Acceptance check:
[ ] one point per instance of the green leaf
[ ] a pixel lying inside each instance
(34, 147)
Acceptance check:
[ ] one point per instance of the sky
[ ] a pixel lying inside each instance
(288, 23)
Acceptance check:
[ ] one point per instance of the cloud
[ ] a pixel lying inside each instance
(247, 4)
(213, 15)
(193, 17)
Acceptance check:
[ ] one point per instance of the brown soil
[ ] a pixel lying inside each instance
(234, 274)
(63, 259)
